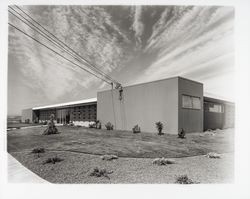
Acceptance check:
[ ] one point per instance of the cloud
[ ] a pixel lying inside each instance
(89, 30)
(137, 25)
(195, 42)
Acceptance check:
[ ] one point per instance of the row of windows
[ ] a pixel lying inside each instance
(213, 107)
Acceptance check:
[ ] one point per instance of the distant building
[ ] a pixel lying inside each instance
(13, 119)
(177, 102)
(78, 112)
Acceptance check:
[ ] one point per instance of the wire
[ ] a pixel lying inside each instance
(59, 47)
(85, 60)
(49, 38)
(56, 52)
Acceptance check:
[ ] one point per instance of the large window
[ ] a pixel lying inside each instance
(191, 102)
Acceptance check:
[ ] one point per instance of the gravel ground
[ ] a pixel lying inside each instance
(76, 167)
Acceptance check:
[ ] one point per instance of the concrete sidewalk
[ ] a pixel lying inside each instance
(17, 173)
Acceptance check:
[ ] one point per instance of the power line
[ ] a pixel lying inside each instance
(55, 43)
(56, 52)
(51, 39)
(85, 60)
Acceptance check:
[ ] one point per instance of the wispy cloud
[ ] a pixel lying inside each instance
(132, 43)
(88, 30)
(137, 25)
(192, 42)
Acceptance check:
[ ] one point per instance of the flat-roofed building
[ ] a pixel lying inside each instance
(177, 102)
(78, 111)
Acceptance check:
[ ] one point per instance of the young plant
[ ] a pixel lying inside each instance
(181, 134)
(52, 160)
(159, 127)
(92, 125)
(184, 179)
(98, 124)
(109, 126)
(109, 157)
(51, 129)
(38, 150)
(100, 172)
(136, 129)
(163, 161)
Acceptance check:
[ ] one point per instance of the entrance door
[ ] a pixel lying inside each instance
(67, 118)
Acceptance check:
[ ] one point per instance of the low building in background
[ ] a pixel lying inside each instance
(79, 112)
(176, 102)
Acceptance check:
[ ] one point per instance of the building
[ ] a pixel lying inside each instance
(78, 112)
(177, 102)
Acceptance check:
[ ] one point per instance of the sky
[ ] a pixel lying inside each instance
(133, 44)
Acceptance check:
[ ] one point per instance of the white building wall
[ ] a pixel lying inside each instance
(142, 104)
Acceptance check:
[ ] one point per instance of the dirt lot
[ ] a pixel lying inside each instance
(79, 148)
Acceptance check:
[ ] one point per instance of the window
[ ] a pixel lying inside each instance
(217, 108)
(191, 102)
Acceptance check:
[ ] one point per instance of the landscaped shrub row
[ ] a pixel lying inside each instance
(136, 129)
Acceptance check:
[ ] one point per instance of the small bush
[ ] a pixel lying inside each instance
(38, 150)
(163, 161)
(183, 179)
(109, 126)
(92, 125)
(136, 129)
(52, 160)
(100, 172)
(98, 124)
(159, 126)
(181, 134)
(27, 121)
(51, 129)
(213, 155)
(109, 157)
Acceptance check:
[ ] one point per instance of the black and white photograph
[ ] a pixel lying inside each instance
(122, 94)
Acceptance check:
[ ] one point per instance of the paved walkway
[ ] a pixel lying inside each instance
(17, 173)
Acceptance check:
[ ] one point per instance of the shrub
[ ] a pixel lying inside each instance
(159, 127)
(213, 155)
(27, 121)
(38, 150)
(100, 172)
(163, 161)
(136, 129)
(98, 124)
(109, 126)
(52, 160)
(51, 129)
(92, 125)
(181, 133)
(183, 179)
(109, 157)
